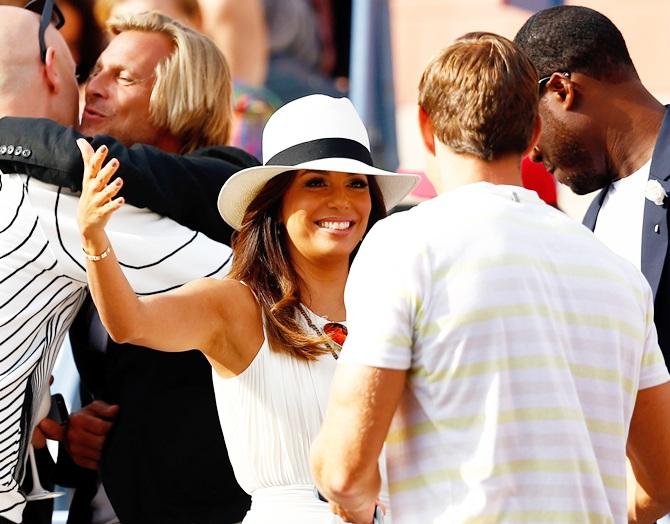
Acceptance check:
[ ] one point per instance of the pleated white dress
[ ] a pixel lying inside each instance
(270, 414)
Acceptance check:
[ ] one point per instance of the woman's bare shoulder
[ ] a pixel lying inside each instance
(239, 333)
(231, 298)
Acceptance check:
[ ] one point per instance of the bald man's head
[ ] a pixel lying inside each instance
(29, 87)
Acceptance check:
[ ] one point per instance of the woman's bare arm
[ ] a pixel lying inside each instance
(186, 318)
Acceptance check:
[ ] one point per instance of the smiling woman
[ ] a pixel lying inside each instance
(299, 219)
(326, 213)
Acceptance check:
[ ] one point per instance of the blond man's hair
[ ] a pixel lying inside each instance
(192, 92)
(481, 94)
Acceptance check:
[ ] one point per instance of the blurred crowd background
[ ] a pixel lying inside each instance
(370, 50)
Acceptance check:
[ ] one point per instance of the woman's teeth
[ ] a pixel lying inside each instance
(328, 224)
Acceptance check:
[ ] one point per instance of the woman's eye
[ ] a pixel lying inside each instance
(359, 183)
(315, 182)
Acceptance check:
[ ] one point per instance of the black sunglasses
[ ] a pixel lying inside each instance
(543, 81)
(49, 13)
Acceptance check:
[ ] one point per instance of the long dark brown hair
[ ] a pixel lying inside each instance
(261, 260)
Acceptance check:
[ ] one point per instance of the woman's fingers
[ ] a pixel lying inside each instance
(106, 172)
(116, 203)
(90, 158)
(97, 160)
(111, 206)
(101, 213)
(108, 192)
(93, 162)
(96, 177)
(86, 151)
(98, 198)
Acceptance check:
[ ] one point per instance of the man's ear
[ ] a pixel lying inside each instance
(51, 73)
(427, 131)
(535, 137)
(562, 88)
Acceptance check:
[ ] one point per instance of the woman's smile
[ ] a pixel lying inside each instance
(336, 224)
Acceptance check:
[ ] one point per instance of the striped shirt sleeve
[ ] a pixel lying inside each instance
(383, 297)
(653, 370)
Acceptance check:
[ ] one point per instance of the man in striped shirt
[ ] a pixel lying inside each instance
(518, 353)
(42, 277)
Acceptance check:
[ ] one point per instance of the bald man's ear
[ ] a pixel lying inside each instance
(51, 73)
(427, 131)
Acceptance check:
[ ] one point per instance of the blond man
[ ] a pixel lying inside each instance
(518, 354)
(181, 74)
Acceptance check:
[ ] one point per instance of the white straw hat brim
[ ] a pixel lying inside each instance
(241, 188)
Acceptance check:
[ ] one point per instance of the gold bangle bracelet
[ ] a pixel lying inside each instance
(96, 258)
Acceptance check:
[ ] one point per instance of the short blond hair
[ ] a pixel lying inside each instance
(192, 94)
(481, 94)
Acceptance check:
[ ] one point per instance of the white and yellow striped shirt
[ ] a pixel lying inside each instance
(525, 340)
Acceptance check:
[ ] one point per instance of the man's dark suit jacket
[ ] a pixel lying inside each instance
(655, 259)
(165, 459)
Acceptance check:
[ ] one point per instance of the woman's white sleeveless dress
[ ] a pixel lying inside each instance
(270, 414)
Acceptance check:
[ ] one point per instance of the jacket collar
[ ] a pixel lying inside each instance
(660, 159)
(655, 221)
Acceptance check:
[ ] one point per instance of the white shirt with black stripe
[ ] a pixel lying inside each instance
(43, 283)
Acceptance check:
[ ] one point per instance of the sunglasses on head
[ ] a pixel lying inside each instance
(49, 13)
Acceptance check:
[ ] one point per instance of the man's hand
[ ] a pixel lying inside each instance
(87, 431)
(47, 429)
(361, 517)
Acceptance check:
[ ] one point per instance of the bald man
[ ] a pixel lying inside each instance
(42, 280)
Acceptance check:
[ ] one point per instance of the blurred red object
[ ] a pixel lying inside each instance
(534, 176)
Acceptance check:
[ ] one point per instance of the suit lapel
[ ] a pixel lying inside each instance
(655, 222)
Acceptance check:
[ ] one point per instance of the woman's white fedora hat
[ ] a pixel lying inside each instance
(314, 132)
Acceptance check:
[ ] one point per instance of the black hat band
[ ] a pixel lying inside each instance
(321, 148)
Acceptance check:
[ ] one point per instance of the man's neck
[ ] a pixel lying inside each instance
(456, 170)
(633, 127)
(17, 107)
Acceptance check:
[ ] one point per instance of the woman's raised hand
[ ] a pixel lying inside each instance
(97, 201)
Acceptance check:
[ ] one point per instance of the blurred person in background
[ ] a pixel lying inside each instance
(302, 49)
(83, 35)
(186, 12)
